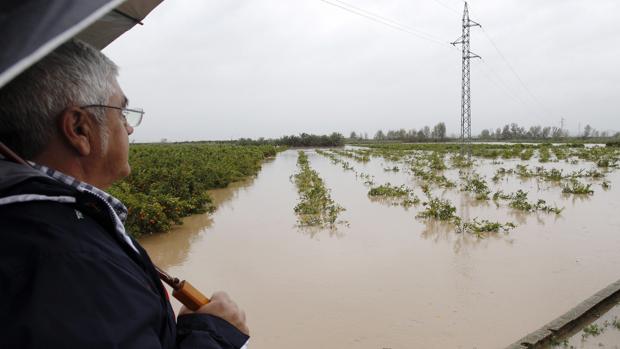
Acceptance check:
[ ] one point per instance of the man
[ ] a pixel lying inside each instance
(70, 276)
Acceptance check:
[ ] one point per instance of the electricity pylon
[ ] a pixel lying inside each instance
(465, 87)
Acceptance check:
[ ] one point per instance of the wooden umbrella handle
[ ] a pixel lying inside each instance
(189, 296)
(183, 291)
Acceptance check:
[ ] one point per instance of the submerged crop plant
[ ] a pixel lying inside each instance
(476, 184)
(576, 187)
(439, 209)
(316, 207)
(399, 195)
(483, 226)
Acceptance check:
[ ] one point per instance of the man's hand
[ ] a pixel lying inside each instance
(223, 307)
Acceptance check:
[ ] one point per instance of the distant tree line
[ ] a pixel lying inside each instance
(425, 134)
(507, 133)
(303, 140)
(514, 131)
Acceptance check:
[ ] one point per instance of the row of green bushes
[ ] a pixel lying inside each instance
(303, 140)
(170, 181)
(615, 144)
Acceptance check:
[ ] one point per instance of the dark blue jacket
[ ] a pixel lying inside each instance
(67, 280)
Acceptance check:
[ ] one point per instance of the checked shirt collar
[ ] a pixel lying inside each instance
(118, 211)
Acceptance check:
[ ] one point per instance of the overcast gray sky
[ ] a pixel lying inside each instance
(222, 69)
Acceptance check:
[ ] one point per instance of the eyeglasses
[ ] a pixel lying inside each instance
(133, 117)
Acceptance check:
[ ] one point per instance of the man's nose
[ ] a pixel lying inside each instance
(129, 130)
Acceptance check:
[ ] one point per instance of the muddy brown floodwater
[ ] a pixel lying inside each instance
(389, 280)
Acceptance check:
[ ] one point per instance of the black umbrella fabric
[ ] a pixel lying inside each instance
(30, 29)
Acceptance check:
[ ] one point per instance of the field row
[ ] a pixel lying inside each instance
(427, 165)
(169, 181)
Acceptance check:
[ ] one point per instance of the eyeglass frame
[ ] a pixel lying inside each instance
(139, 112)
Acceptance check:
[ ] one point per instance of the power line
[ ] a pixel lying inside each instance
(429, 35)
(515, 73)
(447, 6)
(496, 79)
(503, 83)
(384, 20)
(356, 10)
(499, 86)
(509, 91)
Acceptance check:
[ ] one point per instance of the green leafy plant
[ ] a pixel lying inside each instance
(439, 209)
(481, 227)
(476, 184)
(432, 177)
(392, 169)
(592, 330)
(316, 207)
(501, 195)
(500, 173)
(544, 155)
(336, 160)
(576, 187)
(460, 161)
(519, 201)
(400, 195)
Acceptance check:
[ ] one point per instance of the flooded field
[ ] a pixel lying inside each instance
(381, 277)
(602, 333)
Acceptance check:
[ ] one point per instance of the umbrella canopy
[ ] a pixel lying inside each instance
(30, 29)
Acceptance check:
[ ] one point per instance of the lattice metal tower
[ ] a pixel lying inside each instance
(465, 87)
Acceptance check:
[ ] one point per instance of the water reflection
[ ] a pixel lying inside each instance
(467, 200)
(171, 249)
(464, 205)
(315, 232)
(521, 216)
(442, 232)
(388, 201)
(437, 231)
(577, 198)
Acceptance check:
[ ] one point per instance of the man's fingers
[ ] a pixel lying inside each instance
(222, 306)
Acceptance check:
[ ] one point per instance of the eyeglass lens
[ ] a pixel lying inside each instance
(133, 117)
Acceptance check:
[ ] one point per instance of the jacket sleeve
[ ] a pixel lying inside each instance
(206, 331)
(84, 300)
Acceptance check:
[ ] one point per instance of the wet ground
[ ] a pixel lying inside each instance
(389, 280)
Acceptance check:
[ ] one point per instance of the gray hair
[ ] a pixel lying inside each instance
(74, 74)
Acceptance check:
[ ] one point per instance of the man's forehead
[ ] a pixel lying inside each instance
(120, 95)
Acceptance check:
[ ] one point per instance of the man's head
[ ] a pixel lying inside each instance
(43, 115)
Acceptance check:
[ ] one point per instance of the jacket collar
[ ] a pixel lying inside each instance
(12, 174)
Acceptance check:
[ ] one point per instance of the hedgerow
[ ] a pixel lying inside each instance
(170, 181)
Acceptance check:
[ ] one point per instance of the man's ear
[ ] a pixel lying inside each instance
(77, 129)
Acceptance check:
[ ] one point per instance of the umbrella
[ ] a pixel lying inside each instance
(30, 29)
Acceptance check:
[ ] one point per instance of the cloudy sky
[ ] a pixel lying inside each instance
(222, 69)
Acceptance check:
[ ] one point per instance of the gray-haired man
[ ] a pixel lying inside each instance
(70, 276)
